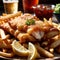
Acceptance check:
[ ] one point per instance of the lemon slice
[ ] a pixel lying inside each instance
(18, 49)
(33, 52)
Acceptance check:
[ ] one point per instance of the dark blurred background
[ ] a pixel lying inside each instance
(40, 2)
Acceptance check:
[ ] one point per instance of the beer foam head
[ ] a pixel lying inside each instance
(9, 1)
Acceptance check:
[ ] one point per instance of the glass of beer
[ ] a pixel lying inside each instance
(10, 6)
(27, 5)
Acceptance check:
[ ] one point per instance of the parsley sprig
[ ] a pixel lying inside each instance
(30, 22)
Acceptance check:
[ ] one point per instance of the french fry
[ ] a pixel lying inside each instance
(45, 43)
(4, 50)
(7, 44)
(51, 50)
(11, 16)
(46, 22)
(58, 27)
(4, 38)
(4, 14)
(2, 34)
(53, 32)
(9, 55)
(4, 45)
(55, 25)
(50, 21)
(55, 44)
(16, 33)
(44, 52)
(9, 41)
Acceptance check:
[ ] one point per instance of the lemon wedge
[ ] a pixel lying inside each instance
(18, 49)
(33, 52)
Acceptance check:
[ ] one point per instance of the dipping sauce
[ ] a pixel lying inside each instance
(44, 11)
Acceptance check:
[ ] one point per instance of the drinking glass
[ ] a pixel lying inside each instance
(10, 6)
(27, 5)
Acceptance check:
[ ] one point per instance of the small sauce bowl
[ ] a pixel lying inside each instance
(43, 11)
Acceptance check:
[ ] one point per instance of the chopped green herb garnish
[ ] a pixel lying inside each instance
(30, 22)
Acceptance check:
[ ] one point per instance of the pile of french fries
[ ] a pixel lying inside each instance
(46, 48)
(5, 38)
